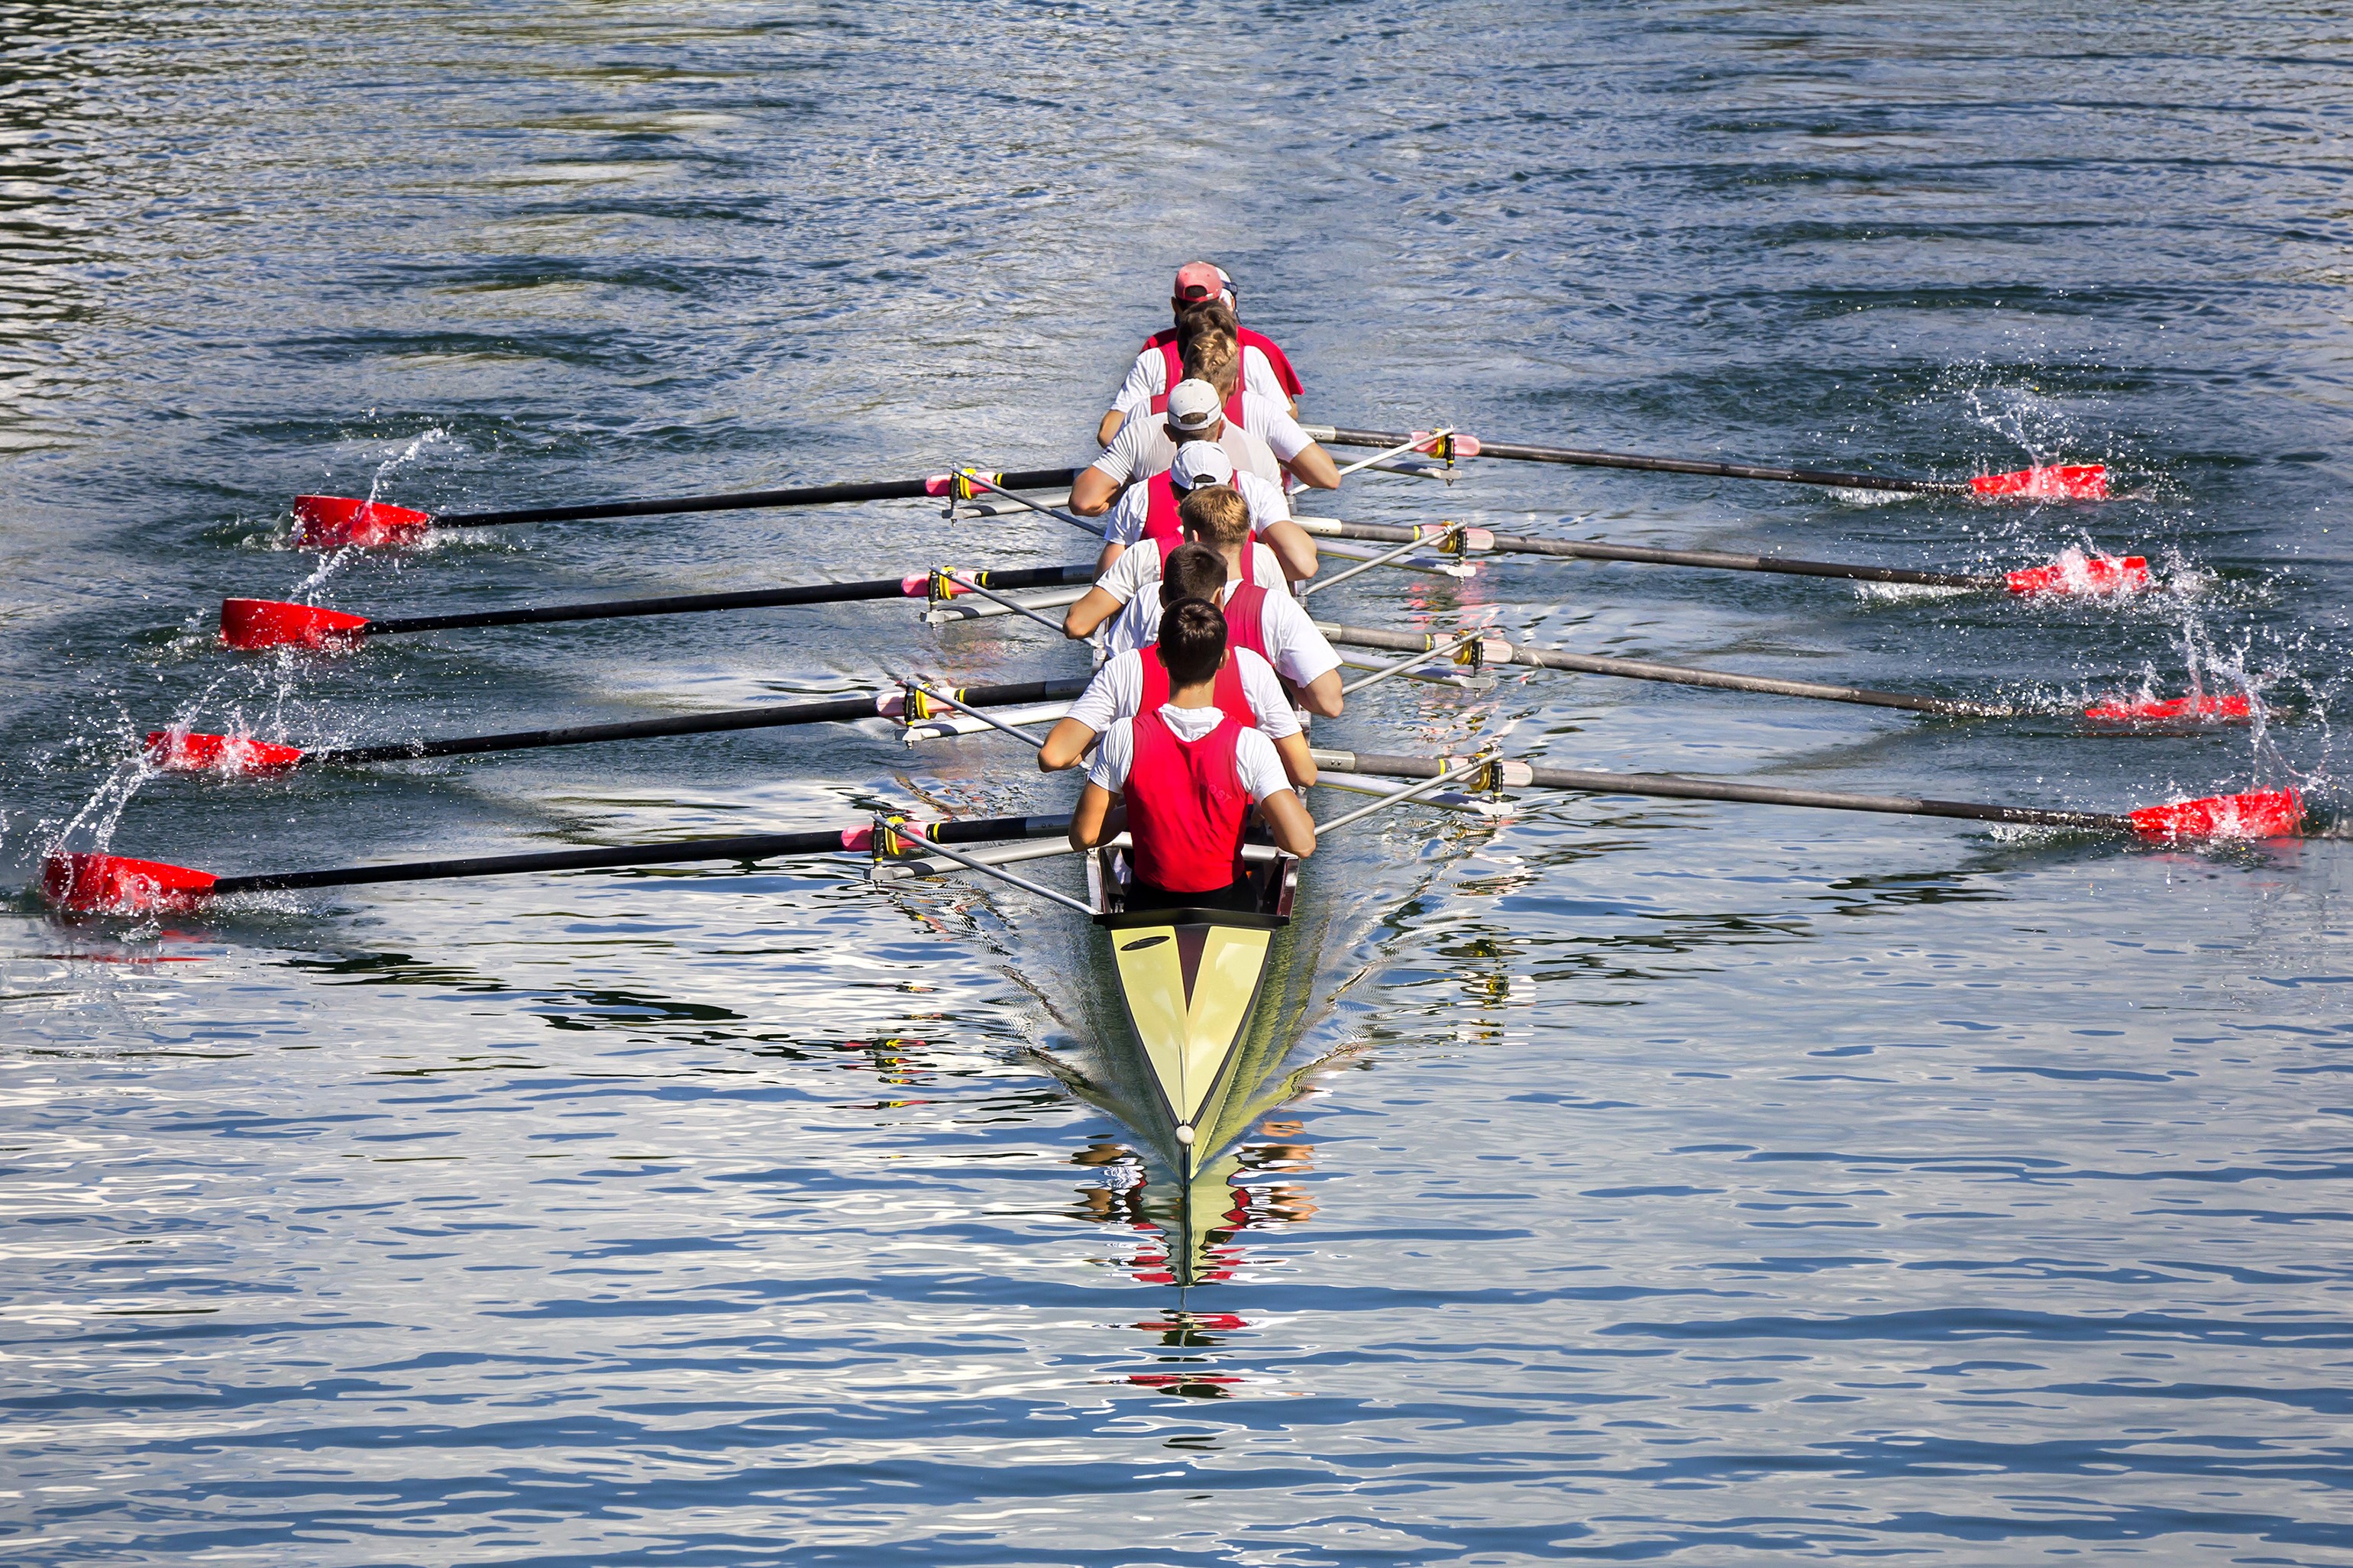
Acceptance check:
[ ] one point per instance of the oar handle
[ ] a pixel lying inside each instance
(1512, 452)
(746, 848)
(916, 586)
(740, 500)
(1714, 560)
(838, 710)
(1676, 787)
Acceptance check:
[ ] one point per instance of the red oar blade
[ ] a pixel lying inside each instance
(117, 885)
(2234, 709)
(2258, 814)
(2076, 573)
(182, 751)
(2074, 481)
(252, 623)
(333, 521)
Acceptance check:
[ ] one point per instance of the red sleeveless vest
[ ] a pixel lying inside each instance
(1185, 807)
(1246, 618)
(1231, 699)
(1165, 339)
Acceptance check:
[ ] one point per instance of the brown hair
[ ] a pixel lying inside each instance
(1215, 514)
(1191, 571)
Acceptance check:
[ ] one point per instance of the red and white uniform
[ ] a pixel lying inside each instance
(1190, 776)
(1134, 683)
(1142, 449)
(1270, 624)
(1158, 367)
(1148, 510)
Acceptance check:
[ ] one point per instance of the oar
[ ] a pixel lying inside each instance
(117, 885)
(180, 751)
(2256, 814)
(255, 623)
(2072, 481)
(331, 521)
(2073, 573)
(1500, 651)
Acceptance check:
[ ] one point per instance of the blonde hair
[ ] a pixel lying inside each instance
(1217, 514)
(1213, 357)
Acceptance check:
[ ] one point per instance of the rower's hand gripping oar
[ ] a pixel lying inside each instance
(2069, 482)
(336, 521)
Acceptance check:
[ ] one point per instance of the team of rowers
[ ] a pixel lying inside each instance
(1193, 718)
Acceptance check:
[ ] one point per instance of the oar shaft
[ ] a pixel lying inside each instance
(748, 847)
(1514, 453)
(1714, 560)
(740, 500)
(1674, 787)
(1498, 650)
(838, 710)
(699, 603)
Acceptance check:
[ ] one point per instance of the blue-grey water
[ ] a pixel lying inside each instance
(1701, 1183)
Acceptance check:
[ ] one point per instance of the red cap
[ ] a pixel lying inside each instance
(1199, 280)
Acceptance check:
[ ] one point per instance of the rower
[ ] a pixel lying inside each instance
(1136, 571)
(1265, 367)
(1180, 780)
(1271, 625)
(1151, 512)
(1146, 447)
(1211, 355)
(1135, 682)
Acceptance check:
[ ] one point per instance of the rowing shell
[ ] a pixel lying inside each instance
(1190, 981)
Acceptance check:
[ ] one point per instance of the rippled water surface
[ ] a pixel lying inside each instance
(1635, 1179)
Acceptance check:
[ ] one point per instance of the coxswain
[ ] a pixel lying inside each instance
(1265, 367)
(1151, 512)
(1135, 682)
(1269, 623)
(1181, 780)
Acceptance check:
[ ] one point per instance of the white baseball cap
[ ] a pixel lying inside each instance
(1198, 463)
(1194, 405)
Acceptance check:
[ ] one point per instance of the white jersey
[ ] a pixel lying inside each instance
(1142, 449)
(1133, 510)
(1254, 756)
(1297, 650)
(1117, 691)
(1136, 573)
(1148, 378)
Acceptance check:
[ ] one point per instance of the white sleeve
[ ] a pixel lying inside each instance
(1116, 689)
(1255, 761)
(1145, 378)
(1135, 627)
(1275, 716)
(1268, 505)
(1128, 575)
(1266, 570)
(1259, 376)
(1117, 754)
(1270, 422)
(1293, 646)
(1119, 461)
(1129, 513)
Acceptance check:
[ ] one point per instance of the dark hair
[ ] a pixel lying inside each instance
(1192, 641)
(1191, 571)
(1209, 315)
(1217, 513)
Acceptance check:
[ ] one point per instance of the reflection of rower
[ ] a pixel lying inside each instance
(1134, 681)
(1181, 779)
(1264, 368)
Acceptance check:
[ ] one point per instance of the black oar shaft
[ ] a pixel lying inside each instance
(1514, 453)
(838, 710)
(699, 603)
(1674, 787)
(744, 848)
(1674, 674)
(740, 500)
(1712, 560)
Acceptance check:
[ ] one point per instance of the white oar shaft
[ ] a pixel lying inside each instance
(1407, 793)
(969, 864)
(1398, 450)
(1014, 605)
(945, 701)
(1367, 564)
(1081, 524)
(1408, 664)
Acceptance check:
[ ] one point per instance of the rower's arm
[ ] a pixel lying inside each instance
(1298, 758)
(1293, 546)
(1293, 829)
(1109, 427)
(1108, 556)
(1093, 493)
(1321, 695)
(1097, 606)
(1099, 818)
(1068, 742)
(1313, 467)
